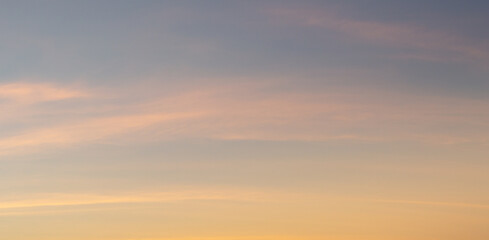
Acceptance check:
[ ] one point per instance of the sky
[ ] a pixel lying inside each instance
(244, 120)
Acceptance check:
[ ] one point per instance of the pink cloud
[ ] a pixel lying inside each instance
(249, 112)
(428, 41)
(37, 92)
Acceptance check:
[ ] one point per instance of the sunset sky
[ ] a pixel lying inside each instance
(244, 120)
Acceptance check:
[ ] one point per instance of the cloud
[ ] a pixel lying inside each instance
(440, 204)
(34, 204)
(85, 131)
(431, 45)
(24, 92)
(242, 112)
(248, 237)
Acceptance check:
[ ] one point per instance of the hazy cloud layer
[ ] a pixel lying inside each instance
(254, 112)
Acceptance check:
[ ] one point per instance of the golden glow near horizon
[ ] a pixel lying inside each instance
(305, 120)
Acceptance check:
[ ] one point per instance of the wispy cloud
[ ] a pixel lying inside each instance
(247, 237)
(25, 92)
(429, 44)
(30, 204)
(85, 131)
(245, 113)
(432, 203)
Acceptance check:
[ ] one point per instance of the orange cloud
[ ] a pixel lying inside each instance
(431, 203)
(37, 92)
(250, 112)
(87, 130)
(9, 206)
(266, 237)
